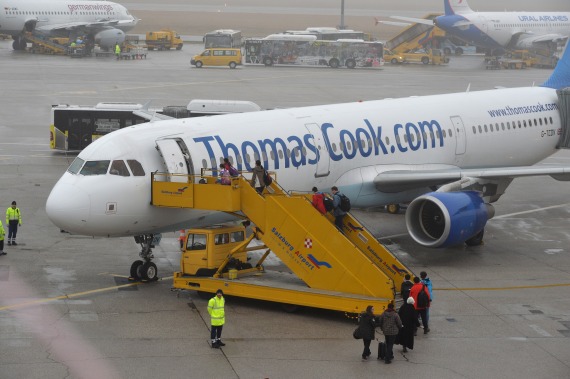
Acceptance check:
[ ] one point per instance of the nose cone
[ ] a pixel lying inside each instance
(68, 207)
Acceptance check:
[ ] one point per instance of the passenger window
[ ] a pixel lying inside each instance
(76, 165)
(119, 168)
(237, 237)
(222, 238)
(196, 242)
(136, 167)
(95, 168)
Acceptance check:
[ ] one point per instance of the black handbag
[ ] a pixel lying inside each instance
(357, 334)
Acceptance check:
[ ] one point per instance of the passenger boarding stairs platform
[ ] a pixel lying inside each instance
(352, 263)
(42, 45)
(411, 36)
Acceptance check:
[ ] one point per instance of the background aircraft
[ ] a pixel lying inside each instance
(104, 22)
(451, 156)
(500, 30)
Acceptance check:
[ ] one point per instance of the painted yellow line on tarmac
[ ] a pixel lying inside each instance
(505, 288)
(73, 295)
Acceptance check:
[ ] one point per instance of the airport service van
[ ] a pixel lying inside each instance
(218, 57)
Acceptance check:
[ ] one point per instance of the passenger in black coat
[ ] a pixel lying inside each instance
(367, 327)
(409, 318)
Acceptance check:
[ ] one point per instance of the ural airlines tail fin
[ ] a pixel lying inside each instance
(560, 77)
(456, 6)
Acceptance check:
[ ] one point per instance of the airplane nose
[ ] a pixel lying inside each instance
(68, 207)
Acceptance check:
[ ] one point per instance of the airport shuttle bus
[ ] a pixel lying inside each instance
(223, 38)
(295, 49)
(73, 127)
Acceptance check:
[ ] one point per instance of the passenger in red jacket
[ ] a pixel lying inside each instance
(319, 200)
(420, 294)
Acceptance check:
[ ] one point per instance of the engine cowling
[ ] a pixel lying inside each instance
(440, 219)
(106, 39)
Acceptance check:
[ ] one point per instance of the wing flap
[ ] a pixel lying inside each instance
(400, 180)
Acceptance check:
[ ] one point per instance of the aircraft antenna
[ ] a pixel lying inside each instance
(468, 87)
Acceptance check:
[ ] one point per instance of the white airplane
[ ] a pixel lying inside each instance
(500, 30)
(104, 21)
(450, 156)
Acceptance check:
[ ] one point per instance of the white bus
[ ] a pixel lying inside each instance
(223, 38)
(294, 49)
(330, 34)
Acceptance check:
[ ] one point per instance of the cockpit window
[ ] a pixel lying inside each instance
(76, 165)
(95, 168)
(136, 167)
(119, 168)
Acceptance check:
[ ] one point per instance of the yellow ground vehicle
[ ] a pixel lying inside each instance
(329, 270)
(392, 57)
(218, 57)
(425, 56)
(164, 39)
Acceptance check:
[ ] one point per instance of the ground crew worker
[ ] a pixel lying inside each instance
(217, 314)
(118, 51)
(181, 238)
(13, 219)
(2, 233)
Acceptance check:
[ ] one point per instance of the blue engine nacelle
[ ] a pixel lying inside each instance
(440, 219)
(106, 39)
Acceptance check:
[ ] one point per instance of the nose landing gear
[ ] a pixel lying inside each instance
(144, 269)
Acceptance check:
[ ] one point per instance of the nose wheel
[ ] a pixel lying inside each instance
(144, 269)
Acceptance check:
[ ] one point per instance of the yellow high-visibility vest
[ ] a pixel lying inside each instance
(216, 310)
(13, 214)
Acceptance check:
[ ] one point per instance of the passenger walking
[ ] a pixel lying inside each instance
(409, 317)
(367, 325)
(318, 200)
(258, 172)
(406, 287)
(13, 220)
(224, 174)
(390, 323)
(231, 169)
(2, 233)
(420, 294)
(425, 280)
(218, 318)
(338, 213)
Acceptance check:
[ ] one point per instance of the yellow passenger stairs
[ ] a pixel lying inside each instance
(414, 36)
(340, 271)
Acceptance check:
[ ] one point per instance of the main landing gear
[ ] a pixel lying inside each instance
(144, 269)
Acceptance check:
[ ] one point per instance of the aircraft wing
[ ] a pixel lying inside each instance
(414, 20)
(151, 116)
(553, 37)
(77, 25)
(400, 180)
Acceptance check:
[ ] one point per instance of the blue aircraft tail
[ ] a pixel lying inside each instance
(560, 77)
(456, 6)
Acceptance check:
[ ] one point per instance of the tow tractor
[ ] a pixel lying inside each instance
(343, 271)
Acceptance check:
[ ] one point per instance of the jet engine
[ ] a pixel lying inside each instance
(106, 39)
(440, 219)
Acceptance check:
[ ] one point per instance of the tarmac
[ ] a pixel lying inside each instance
(67, 310)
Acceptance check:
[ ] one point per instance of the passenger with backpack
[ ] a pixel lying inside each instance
(390, 323)
(258, 176)
(425, 280)
(338, 209)
(420, 294)
(231, 169)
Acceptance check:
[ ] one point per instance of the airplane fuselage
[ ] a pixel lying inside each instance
(347, 145)
(506, 29)
(14, 15)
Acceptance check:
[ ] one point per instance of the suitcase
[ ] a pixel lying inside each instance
(382, 350)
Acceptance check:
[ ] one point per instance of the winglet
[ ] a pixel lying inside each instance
(560, 77)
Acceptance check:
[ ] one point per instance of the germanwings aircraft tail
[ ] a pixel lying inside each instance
(456, 7)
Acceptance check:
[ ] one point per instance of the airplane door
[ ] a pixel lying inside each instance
(459, 130)
(323, 161)
(176, 158)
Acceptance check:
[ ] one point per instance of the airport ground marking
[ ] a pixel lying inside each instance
(510, 288)
(74, 295)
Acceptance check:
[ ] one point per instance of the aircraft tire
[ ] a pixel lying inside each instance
(23, 44)
(268, 61)
(149, 271)
(16, 45)
(179, 46)
(135, 269)
(393, 208)
(476, 240)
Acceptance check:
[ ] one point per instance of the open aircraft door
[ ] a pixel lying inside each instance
(323, 157)
(176, 158)
(57, 139)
